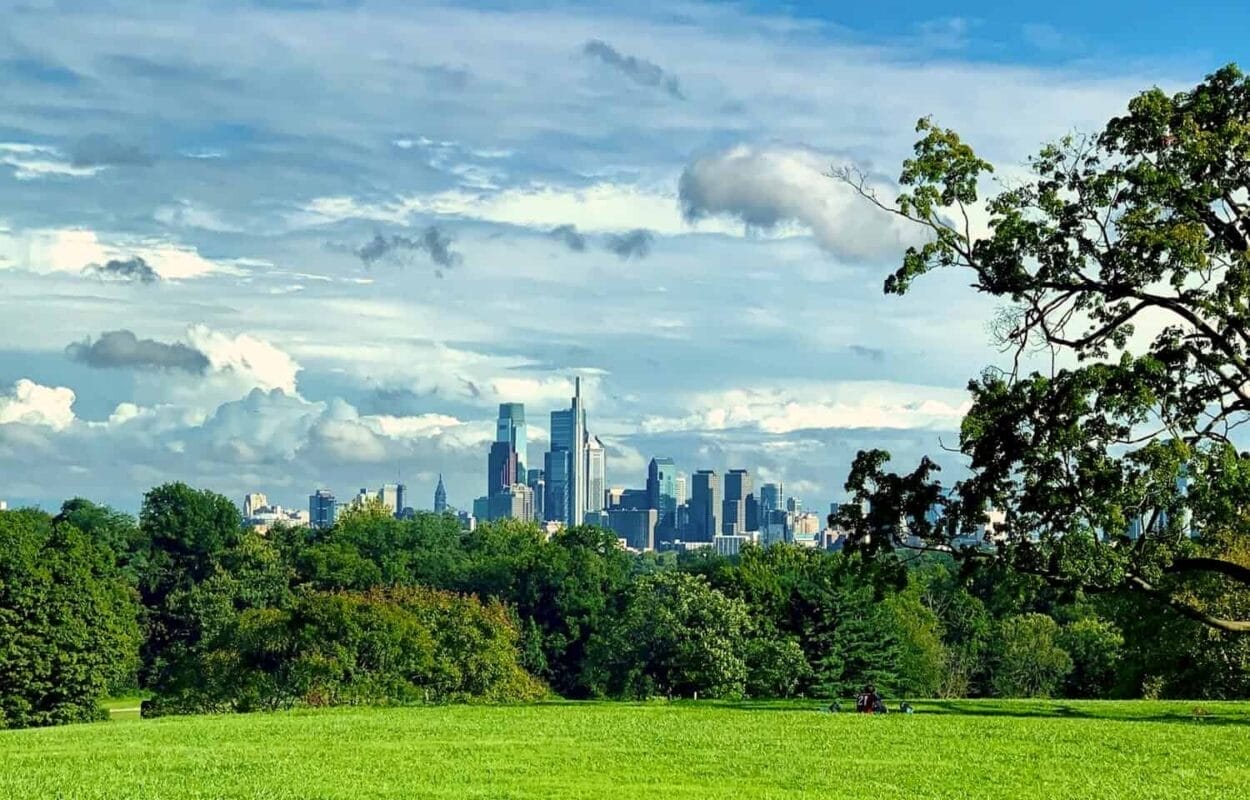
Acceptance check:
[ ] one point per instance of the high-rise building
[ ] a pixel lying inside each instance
(662, 494)
(514, 502)
(596, 473)
(772, 498)
(753, 514)
(321, 509)
(253, 503)
(568, 434)
(481, 508)
(635, 525)
(556, 469)
(634, 499)
(794, 505)
(536, 480)
(440, 496)
(501, 468)
(681, 485)
(738, 487)
(511, 429)
(392, 497)
(705, 506)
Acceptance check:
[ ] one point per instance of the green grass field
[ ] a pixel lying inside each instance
(564, 750)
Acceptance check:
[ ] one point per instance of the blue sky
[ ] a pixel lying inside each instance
(280, 245)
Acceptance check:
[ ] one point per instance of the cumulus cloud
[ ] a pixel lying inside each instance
(121, 349)
(134, 270)
(569, 236)
(638, 70)
(635, 244)
(432, 241)
(767, 188)
(29, 403)
(257, 361)
(98, 150)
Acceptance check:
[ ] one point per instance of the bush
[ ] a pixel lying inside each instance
(776, 667)
(1096, 647)
(387, 647)
(68, 628)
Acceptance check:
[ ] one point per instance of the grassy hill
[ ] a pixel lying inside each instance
(947, 750)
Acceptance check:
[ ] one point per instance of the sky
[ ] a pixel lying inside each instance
(277, 246)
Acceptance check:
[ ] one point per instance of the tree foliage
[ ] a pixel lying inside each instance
(1123, 263)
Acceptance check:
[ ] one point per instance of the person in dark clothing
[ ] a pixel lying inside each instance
(868, 701)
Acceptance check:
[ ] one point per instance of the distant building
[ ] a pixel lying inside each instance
(468, 522)
(481, 508)
(737, 488)
(515, 502)
(731, 545)
(596, 473)
(253, 503)
(635, 499)
(501, 468)
(794, 505)
(705, 506)
(636, 526)
(536, 480)
(662, 495)
(322, 509)
(511, 430)
(772, 498)
(568, 435)
(440, 497)
(558, 483)
(613, 497)
(392, 497)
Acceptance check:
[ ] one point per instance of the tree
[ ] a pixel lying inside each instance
(1027, 659)
(1124, 264)
(1096, 647)
(68, 629)
(676, 636)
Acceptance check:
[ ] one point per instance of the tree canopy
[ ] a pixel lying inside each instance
(1123, 265)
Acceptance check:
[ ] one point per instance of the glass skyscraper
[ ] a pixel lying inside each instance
(705, 506)
(511, 429)
(321, 508)
(596, 474)
(662, 495)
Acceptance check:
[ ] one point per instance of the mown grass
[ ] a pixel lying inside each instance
(686, 750)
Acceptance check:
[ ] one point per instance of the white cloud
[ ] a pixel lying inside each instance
(831, 406)
(72, 249)
(29, 403)
(31, 161)
(769, 187)
(256, 361)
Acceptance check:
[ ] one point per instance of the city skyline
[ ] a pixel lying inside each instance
(210, 277)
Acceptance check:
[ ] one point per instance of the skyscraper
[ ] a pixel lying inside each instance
(556, 468)
(596, 473)
(536, 480)
(772, 498)
(440, 496)
(501, 468)
(738, 487)
(254, 502)
(705, 506)
(321, 509)
(662, 495)
(511, 429)
(392, 496)
(568, 435)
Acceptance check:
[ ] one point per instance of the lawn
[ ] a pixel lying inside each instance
(688, 750)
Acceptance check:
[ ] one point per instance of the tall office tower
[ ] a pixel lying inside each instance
(568, 434)
(794, 505)
(254, 502)
(753, 514)
(321, 509)
(662, 495)
(500, 468)
(705, 506)
(556, 470)
(514, 502)
(681, 485)
(440, 496)
(738, 488)
(481, 509)
(392, 496)
(772, 498)
(511, 429)
(536, 480)
(596, 473)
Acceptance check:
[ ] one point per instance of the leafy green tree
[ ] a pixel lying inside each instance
(68, 630)
(1096, 647)
(1027, 660)
(922, 661)
(1125, 260)
(776, 667)
(113, 531)
(677, 636)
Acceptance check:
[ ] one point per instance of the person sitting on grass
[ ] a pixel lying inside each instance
(869, 702)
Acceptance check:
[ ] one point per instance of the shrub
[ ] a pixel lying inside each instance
(1027, 660)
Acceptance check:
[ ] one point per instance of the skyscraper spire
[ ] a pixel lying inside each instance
(440, 496)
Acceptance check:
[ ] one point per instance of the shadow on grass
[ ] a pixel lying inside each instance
(1178, 712)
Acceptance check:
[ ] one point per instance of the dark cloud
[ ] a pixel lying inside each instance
(123, 350)
(432, 241)
(635, 244)
(870, 353)
(441, 76)
(135, 270)
(98, 150)
(569, 237)
(638, 70)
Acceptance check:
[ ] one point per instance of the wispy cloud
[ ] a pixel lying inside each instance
(638, 70)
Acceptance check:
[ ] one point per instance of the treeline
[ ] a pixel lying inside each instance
(207, 616)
